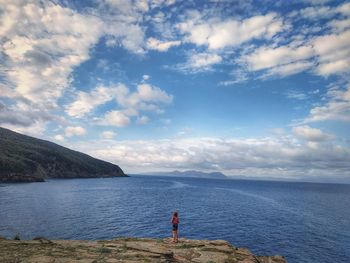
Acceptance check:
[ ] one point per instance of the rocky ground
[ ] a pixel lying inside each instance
(41, 250)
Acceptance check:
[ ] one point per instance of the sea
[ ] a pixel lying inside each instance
(305, 222)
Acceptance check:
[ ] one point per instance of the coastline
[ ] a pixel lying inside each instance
(127, 250)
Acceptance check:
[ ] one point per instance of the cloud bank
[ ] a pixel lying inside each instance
(280, 157)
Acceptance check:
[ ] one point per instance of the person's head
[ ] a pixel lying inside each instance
(175, 214)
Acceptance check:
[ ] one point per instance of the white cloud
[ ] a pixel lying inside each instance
(333, 53)
(326, 55)
(147, 92)
(308, 49)
(43, 42)
(22, 114)
(311, 134)
(130, 104)
(59, 137)
(145, 98)
(238, 76)
(344, 9)
(108, 135)
(281, 157)
(321, 12)
(337, 107)
(229, 33)
(130, 36)
(74, 131)
(115, 118)
(145, 77)
(123, 23)
(27, 118)
(160, 3)
(340, 25)
(35, 129)
(203, 60)
(332, 67)
(289, 69)
(197, 62)
(266, 57)
(317, 12)
(292, 94)
(123, 6)
(86, 102)
(153, 43)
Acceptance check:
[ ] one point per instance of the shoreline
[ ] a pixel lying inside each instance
(127, 250)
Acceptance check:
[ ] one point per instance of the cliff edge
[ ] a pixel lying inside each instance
(41, 250)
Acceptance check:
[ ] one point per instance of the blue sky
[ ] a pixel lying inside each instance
(253, 88)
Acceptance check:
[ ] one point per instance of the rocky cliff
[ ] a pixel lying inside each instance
(27, 159)
(129, 250)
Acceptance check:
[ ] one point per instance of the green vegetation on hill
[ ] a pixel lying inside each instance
(27, 159)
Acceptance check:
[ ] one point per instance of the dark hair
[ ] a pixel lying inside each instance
(175, 214)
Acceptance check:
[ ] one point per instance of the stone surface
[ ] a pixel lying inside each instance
(127, 250)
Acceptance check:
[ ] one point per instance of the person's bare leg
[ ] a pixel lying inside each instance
(174, 236)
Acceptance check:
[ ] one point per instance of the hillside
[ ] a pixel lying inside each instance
(27, 159)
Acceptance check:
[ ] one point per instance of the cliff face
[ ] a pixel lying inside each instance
(128, 250)
(27, 159)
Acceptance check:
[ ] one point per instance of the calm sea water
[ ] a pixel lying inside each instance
(306, 222)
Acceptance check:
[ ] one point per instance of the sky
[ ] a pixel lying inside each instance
(248, 88)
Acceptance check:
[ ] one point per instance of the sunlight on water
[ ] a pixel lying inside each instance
(298, 220)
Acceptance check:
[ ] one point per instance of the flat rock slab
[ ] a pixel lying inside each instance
(151, 247)
(127, 250)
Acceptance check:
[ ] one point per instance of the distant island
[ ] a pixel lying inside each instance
(191, 173)
(27, 159)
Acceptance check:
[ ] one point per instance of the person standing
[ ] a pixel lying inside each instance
(175, 222)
